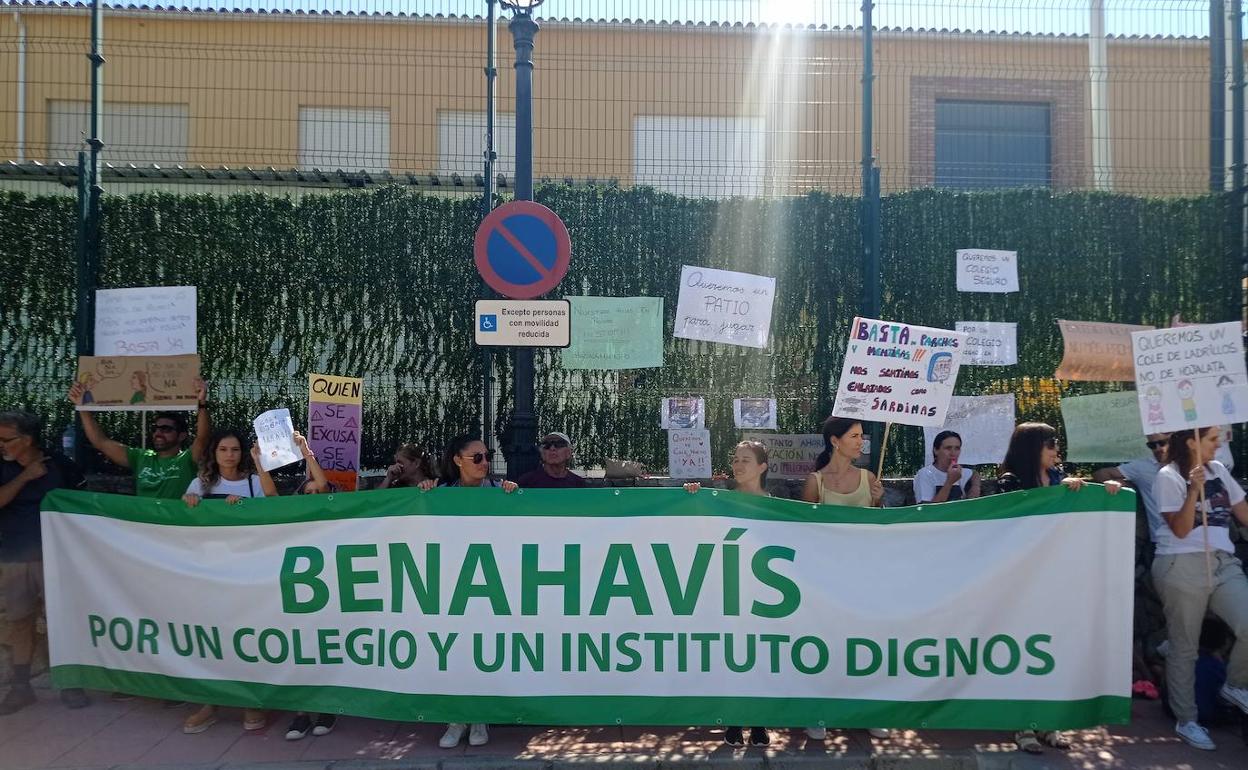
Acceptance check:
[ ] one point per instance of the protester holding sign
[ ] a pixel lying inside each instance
(412, 465)
(1181, 571)
(165, 469)
(944, 479)
(231, 471)
(466, 464)
(1031, 462)
(836, 480)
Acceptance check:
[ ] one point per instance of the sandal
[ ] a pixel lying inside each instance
(1027, 742)
(1056, 739)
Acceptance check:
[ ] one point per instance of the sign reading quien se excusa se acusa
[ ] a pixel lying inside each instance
(897, 372)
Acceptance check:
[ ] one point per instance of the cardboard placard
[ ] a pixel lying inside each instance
(335, 426)
(137, 383)
(615, 333)
(682, 412)
(896, 372)
(985, 424)
(275, 435)
(757, 413)
(1096, 352)
(989, 343)
(1103, 427)
(789, 455)
(724, 306)
(987, 270)
(689, 453)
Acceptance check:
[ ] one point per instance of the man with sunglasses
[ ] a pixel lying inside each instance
(27, 474)
(1141, 473)
(553, 473)
(168, 467)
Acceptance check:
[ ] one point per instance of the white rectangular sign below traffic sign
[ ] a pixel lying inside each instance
(526, 323)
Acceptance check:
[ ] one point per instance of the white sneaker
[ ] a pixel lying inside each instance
(1194, 735)
(1237, 696)
(816, 733)
(479, 735)
(453, 735)
(879, 732)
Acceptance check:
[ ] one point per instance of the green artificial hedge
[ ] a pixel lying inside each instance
(380, 283)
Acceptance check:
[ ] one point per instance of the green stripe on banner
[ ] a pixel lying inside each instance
(608, 710)
(575, 502)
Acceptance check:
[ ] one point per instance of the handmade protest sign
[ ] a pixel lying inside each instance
(724, 306)
(989, 343)
(789, 455)
(137, 383)
(275, 435)
(1103, 427)
(615, 333)
(987, 270)
(145, 321)
(754, 413)
(602, 606)
(682, 412)
(1097, 352)
(689, 453)
(985, 424)
(335, 425)
(895, 372)
(1190, 377)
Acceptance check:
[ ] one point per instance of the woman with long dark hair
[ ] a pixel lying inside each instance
(466, 463)
(836, 480)
(1182, 571)
(1032, 461)
(412, 465)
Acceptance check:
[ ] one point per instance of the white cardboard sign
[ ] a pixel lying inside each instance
(987, 270)
(145, 321)
(895, 372)
(985, 424)
(689, 453)
(275, 434)
(724, 306)
(1190, 376)
(989, 343)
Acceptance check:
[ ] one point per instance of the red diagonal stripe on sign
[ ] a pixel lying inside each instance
(528, 255)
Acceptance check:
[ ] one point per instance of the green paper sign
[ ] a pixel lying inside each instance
(1103, 428)
(615, 333)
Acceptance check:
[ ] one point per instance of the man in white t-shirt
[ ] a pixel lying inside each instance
(1141, 473)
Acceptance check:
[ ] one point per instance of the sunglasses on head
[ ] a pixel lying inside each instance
(475, 459)
(1155, 444)
(557, 444)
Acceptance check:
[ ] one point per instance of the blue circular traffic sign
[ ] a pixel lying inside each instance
(522, 250)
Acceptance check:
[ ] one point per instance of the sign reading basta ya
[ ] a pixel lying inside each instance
(896, 372)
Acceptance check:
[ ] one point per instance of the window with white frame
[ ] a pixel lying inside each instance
(461, 143)
(136, 133)
(346, 138)
(700, 156)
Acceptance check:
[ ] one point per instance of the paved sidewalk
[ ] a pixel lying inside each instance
(141, 734)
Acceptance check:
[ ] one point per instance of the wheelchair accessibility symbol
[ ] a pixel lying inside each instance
(489, 323)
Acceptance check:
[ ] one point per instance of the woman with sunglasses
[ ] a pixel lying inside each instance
(1031, 462)
(466, 464)
(1192, 549)
(749, 471)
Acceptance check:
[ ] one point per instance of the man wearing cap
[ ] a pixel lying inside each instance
(553, 473)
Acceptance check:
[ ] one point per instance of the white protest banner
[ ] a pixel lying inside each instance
(987, 270)
(789, 455)
(682, 412)
(754, 413)
(145, 321)
(895, 372)
(985, 424)
(275, 435)
(603, 606)
(1190, 376)
(989, 343)
(1096, 352)
(1103, 427)
(689, 453)
(724, 306)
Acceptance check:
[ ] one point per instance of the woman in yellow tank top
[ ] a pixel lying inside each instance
(836, 481)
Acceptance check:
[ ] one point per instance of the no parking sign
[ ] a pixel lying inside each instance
(522, 250)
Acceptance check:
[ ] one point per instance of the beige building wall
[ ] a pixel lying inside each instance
(244, 79)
